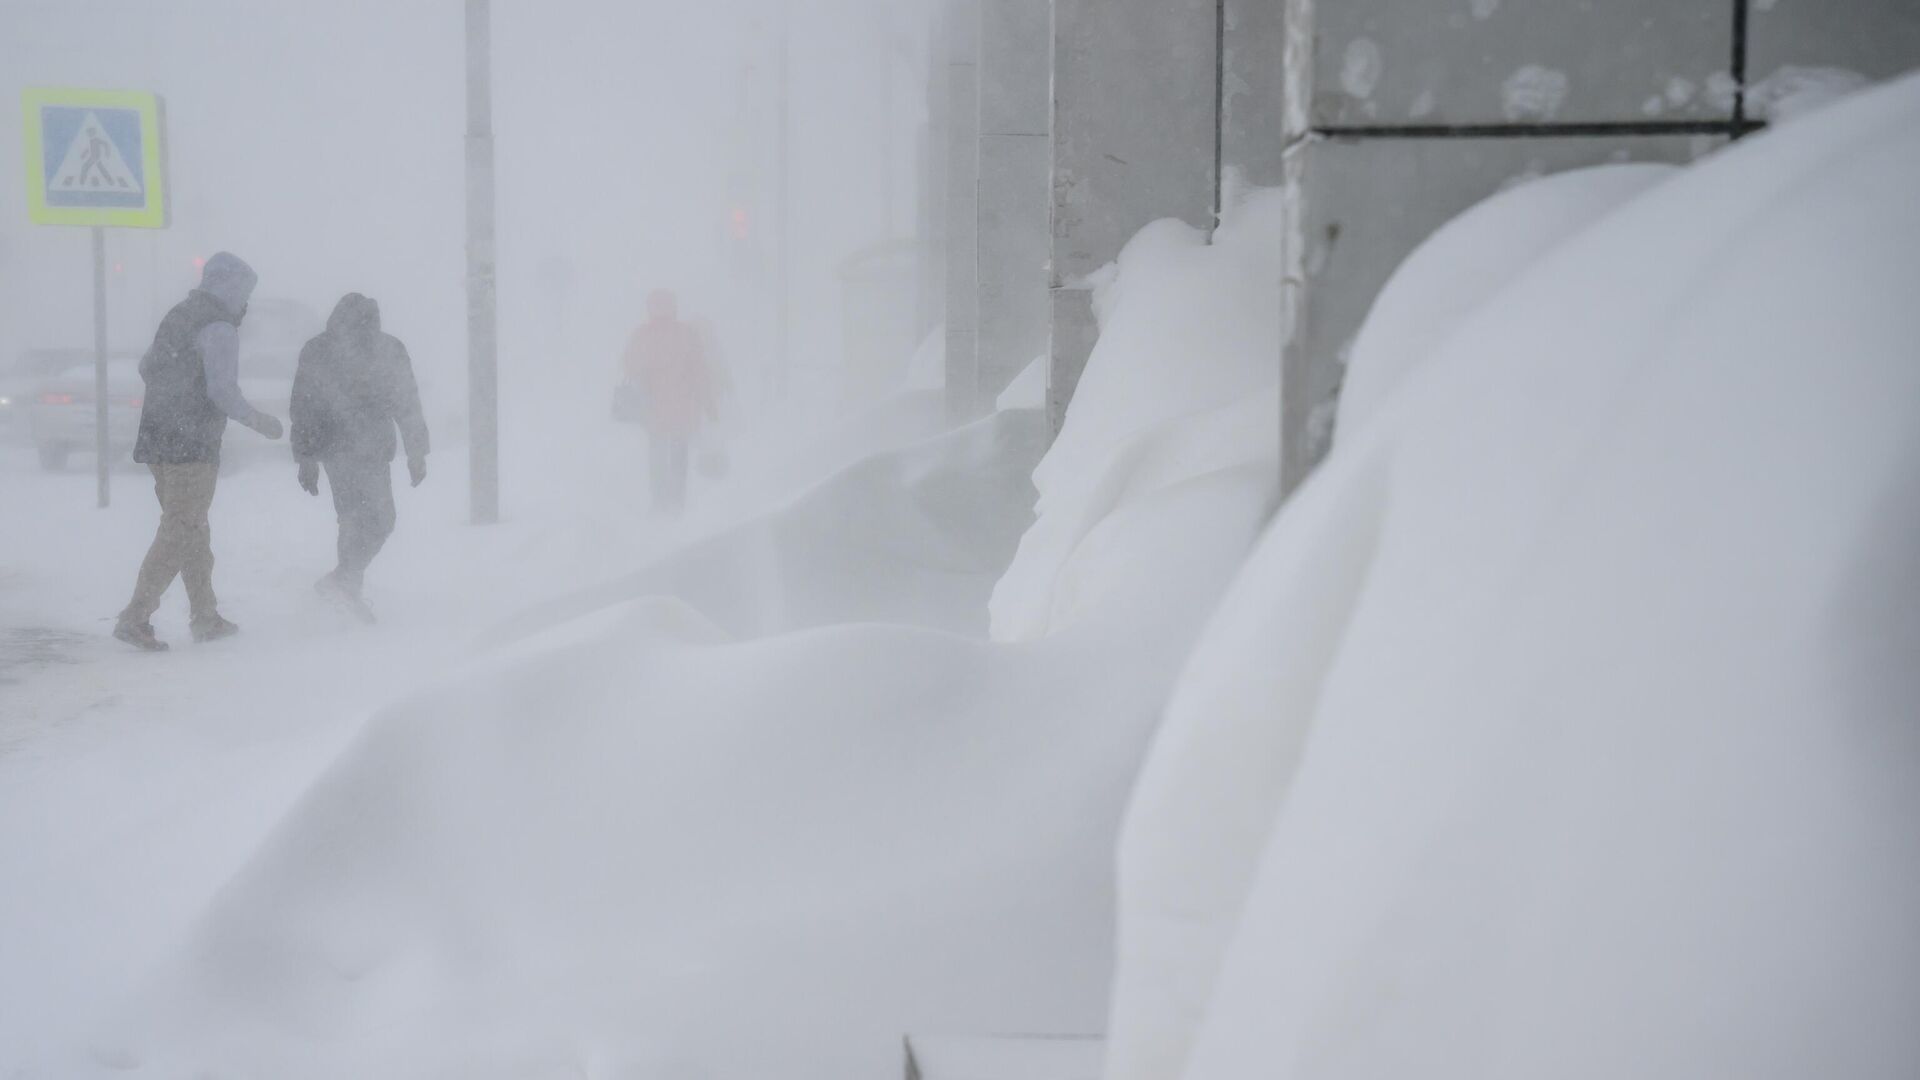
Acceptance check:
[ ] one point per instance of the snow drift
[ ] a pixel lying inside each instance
(1565, 723)
(1181, 384)
(915, 537)
(1467, 262)
(765, 807)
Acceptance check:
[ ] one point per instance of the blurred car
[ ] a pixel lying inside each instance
(20, 377)
(55, 387)
(16, 390)
(60, 406)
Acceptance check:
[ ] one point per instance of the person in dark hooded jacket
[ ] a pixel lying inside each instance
(353, 388)
(191, 373)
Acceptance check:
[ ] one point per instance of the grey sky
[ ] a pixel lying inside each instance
(322, 141)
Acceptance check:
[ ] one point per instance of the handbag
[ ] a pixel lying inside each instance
(629, 403)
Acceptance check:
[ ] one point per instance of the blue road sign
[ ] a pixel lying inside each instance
(93, 158)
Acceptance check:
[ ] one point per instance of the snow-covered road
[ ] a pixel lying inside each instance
(131, 785)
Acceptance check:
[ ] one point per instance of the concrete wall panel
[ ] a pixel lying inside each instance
(1015, 54)
(1133, 123)
(1135, 134)
(1014, 158)
(1250, 87)
(936, 143)
(1013, 260)
(1368, 203)
(1401, 62)
(1873, 38)
(963, 170)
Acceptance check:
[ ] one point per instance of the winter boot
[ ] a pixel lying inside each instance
(139, 635)
(213, 628)
(344, 596)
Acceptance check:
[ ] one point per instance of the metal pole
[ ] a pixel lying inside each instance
(783, 269)
(483, 377)
(101, 460)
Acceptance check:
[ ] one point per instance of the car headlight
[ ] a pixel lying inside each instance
(5, 401)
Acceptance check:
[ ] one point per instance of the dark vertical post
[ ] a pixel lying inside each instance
(1296, 136)
(100, 441)
(1738, 66)
(483, 376)
(783, 269)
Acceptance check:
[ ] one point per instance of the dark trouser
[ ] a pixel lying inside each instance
(183, 545)
(363, 500)
(667, 460)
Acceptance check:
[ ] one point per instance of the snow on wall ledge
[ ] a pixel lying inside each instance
(1567, 723)
(1181, 384)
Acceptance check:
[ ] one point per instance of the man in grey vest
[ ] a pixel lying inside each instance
(193, 389)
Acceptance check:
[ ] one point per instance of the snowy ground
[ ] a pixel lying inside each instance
(754, 794)
(157, 773)
(132, 786)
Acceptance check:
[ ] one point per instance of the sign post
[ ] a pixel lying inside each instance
(101, 444)
(94, 158)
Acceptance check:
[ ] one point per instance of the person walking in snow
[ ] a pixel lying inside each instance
(675, 384)
(191, 373)
(353, 388)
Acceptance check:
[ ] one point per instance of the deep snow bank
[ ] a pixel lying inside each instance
(629, 845)
(1565, 724)
(1181, 384)
(636, 842)
(1466, 263)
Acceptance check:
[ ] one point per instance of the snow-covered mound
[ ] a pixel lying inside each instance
(1467, 262)
(758, 811)
(1182, 383)
(632, 845)
(1567, 722)
(1168, 874)
(637, 842)
(914, 537)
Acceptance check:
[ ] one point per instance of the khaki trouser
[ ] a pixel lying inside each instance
(183, 546)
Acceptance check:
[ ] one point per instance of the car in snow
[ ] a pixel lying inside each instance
(58, 387)
(16, 391)
(60, 401)
(60, 409)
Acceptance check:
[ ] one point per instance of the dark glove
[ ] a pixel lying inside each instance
(268, 426)
(417, 469)
(310, 477)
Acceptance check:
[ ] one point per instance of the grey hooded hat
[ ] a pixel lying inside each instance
(228, 279)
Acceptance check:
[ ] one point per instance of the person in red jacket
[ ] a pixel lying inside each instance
(670, 372)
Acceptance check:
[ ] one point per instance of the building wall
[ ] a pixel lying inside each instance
(1252, 40)
(1384, 117)
(1135, 137)
(961, 30)
(1414, 110)
(1014, 154)
(936, 140)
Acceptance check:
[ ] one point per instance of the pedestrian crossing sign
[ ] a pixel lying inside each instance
(94, 157)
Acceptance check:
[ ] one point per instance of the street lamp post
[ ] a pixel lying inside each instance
(483, 376)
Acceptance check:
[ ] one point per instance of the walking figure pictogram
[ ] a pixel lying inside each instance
(95, 161)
